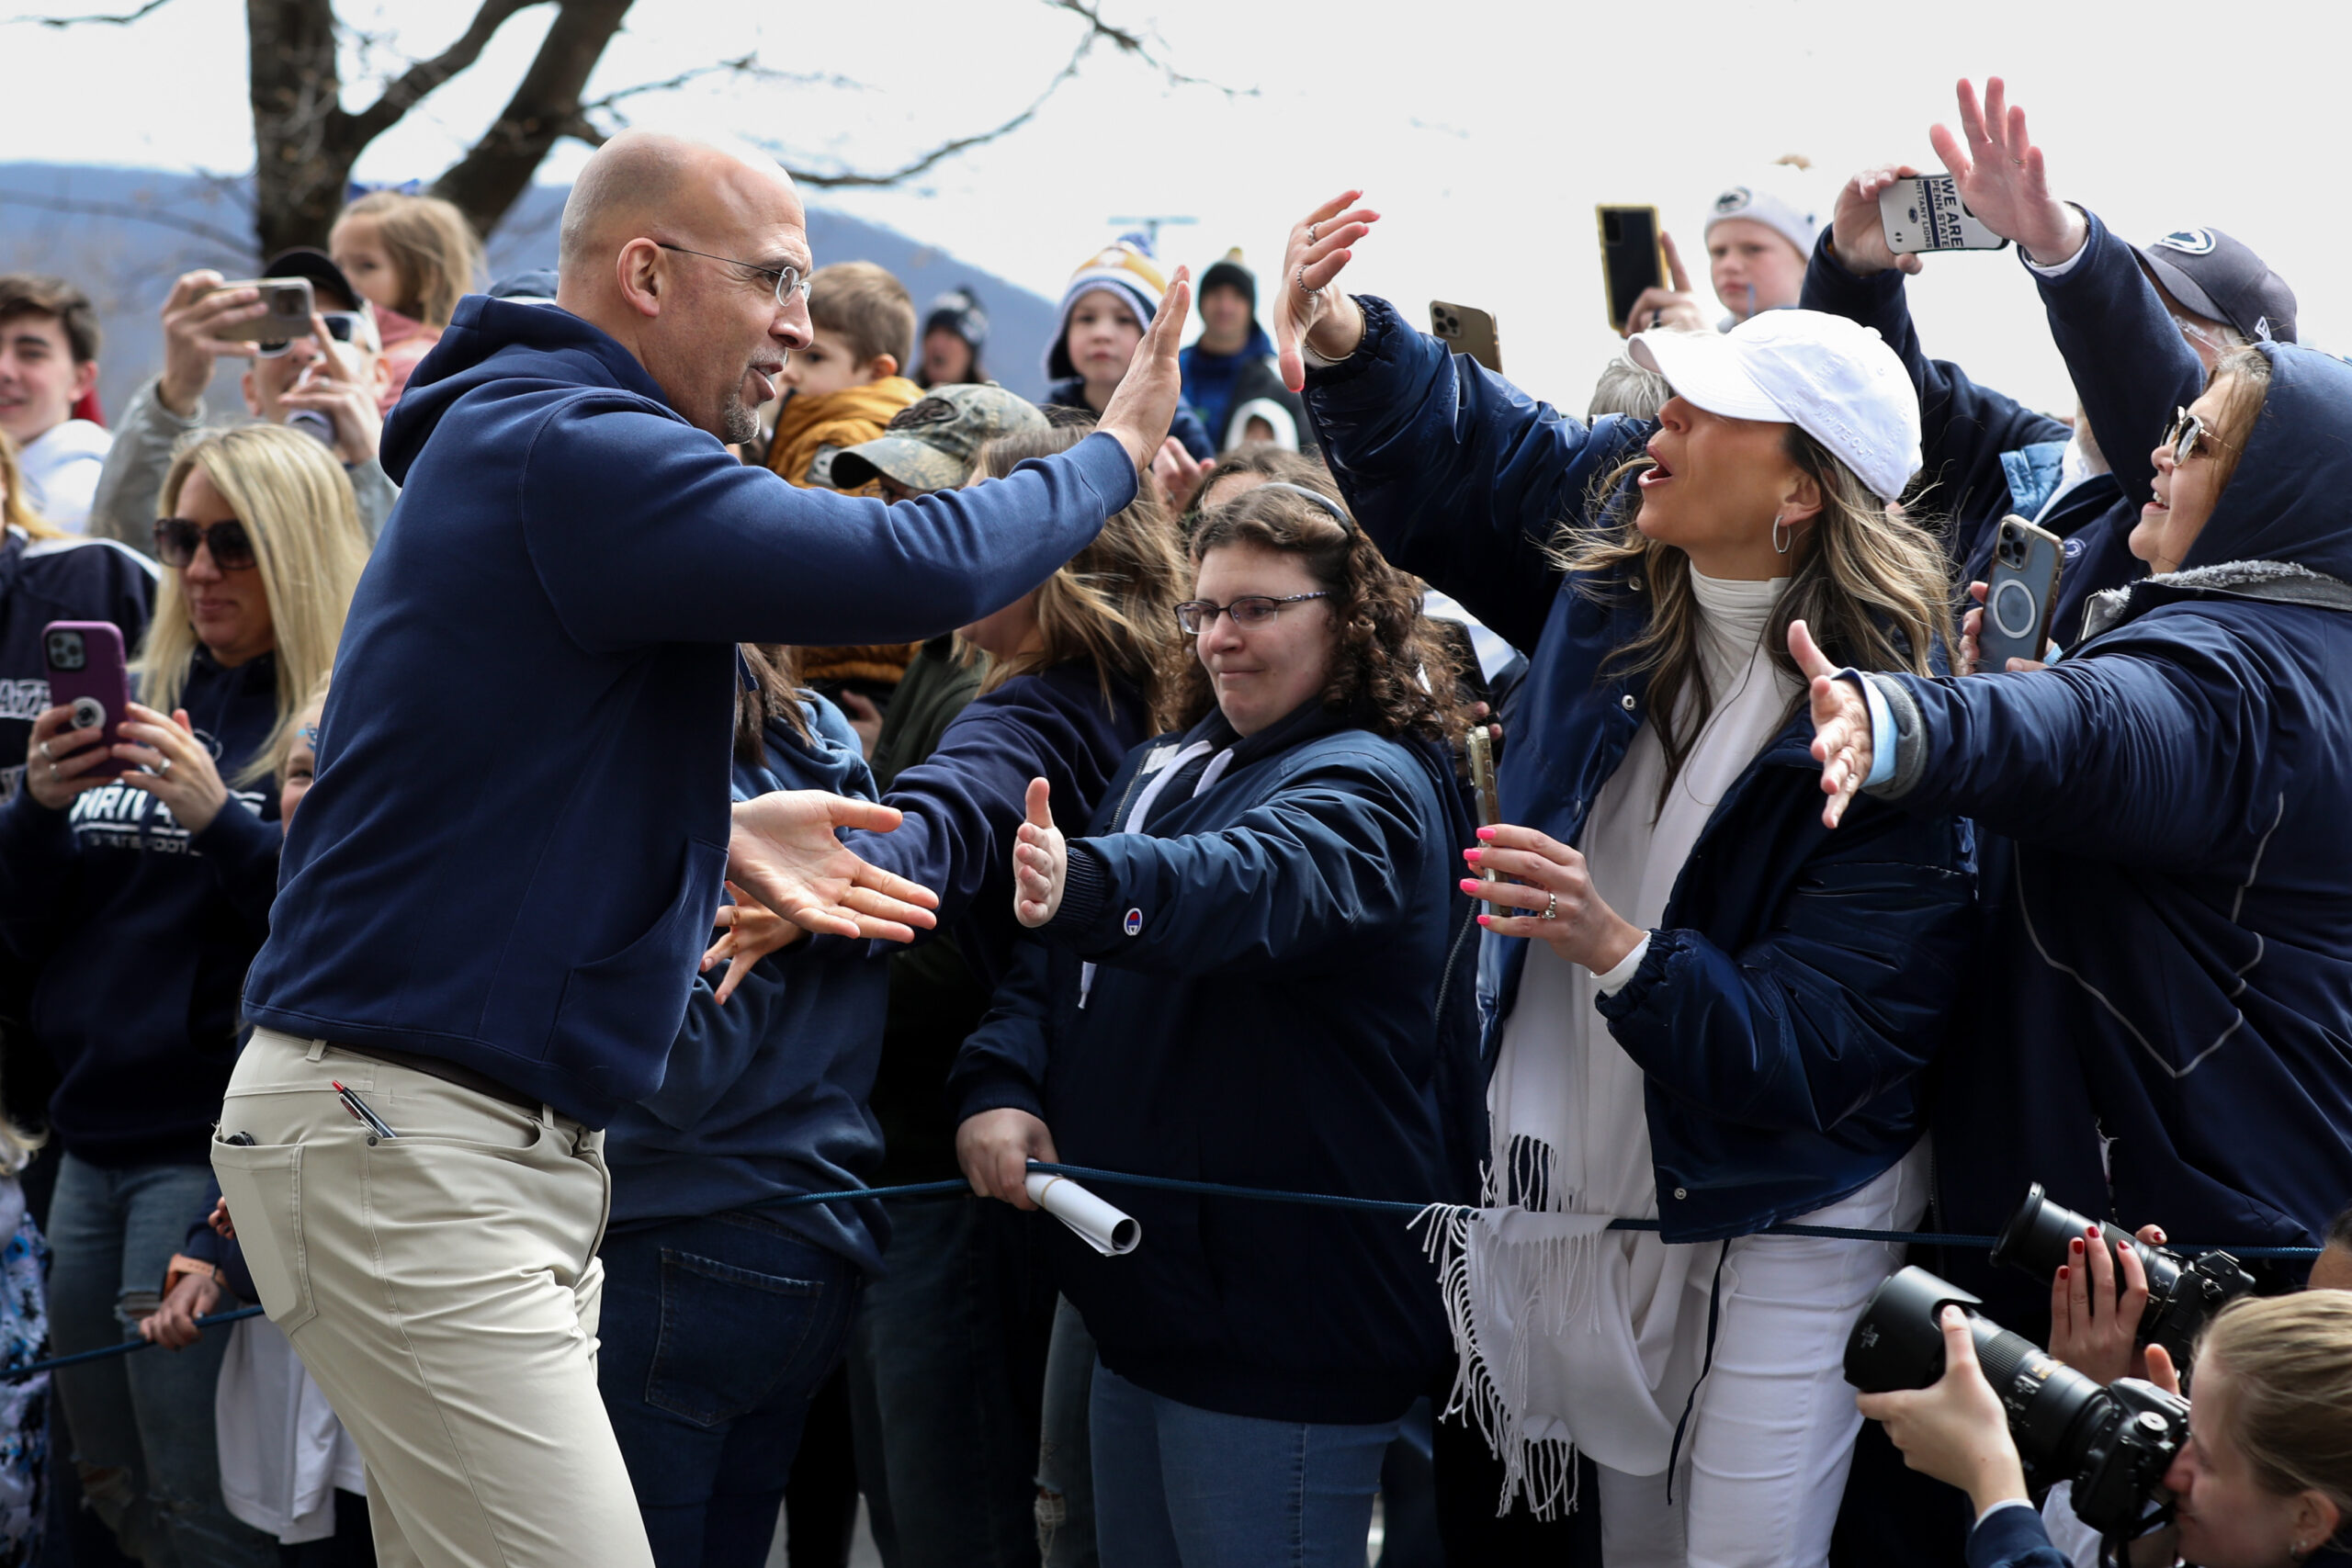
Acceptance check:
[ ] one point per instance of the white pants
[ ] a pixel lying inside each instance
(443, 1288)
(1762, 1468)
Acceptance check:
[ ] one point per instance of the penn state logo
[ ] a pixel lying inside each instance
(1733, 200)
(2190, 242)
(1134, 922)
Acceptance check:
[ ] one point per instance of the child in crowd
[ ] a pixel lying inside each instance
(840, 391)
(1110, 301)
(413, 257)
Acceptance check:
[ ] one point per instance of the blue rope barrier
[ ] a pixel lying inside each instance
(105, 1352)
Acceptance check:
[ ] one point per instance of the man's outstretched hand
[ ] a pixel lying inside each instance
(1143, 408)
(783, 850)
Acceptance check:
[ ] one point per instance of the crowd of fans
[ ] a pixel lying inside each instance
(1791, 909)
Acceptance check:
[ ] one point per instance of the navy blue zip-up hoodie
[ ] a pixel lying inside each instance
(512, 853)
(1282, 1000)
(1799, 982)
(142, 931)
(764, 1097)
(2166, 1030)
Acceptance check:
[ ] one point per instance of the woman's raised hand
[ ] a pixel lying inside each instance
(1856, 230)
(2092, 1328)
(1841, 725)
(1312, 306)
(1972, 627)
(2002, 177)
(1040, 861)
(1551, 884)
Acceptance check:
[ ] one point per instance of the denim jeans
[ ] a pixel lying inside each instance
(717, 1332)
(1179, 1487)
(143, 1442)
(1065, 1451)
(946, 1371)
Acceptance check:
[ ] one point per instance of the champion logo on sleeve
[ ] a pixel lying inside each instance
(1134, 922)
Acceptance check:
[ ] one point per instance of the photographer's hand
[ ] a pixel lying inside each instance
(1675, 306)
(1312, 309)
(1954, 1431)
(180, 770)
(1857, 234)
(58, 758)
(332, 387)
(1972, 627)
(2002, 177)
(2091, 1328)
(1841, 725)
(193, 313)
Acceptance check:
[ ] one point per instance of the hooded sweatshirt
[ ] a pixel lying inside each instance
(511, 856)
(764, 1097)
(142, 931)
(2166, 1027)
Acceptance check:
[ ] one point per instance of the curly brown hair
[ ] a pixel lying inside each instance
(1391, 671)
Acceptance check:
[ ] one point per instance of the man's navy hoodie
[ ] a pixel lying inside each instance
(142, 931)
(511, 856)
(765, 1098)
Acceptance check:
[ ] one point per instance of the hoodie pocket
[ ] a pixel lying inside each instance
(625, 1008)
(263, 1183)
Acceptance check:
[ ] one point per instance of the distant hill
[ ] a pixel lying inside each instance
(123, 234)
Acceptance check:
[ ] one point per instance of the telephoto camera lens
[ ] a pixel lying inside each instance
(2114, 1444)
(2183, 1295)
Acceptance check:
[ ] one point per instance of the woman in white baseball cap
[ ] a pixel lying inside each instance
(1725, 1016)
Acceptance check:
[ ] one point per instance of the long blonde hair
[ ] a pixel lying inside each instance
(16, 511)
(1114, 601)
(2289, 1366)
(1870, 586)
(429, 241)
(297, 507)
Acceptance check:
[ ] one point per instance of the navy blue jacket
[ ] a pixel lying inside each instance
(2171, 1036)
(1279, 998)
(512, 851)
(1797, 987)
(142, 931)
(1987, 456)
(764, 1097)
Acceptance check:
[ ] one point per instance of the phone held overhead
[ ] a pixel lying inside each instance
(1632, 258)
(1924, 212)
(1465, 328)
(288, 317)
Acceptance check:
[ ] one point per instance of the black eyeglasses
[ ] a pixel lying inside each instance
(788, 281)
(178, 540)
(2183, 434)
(1197, 616)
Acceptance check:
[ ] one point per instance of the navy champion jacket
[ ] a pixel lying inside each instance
(2167, 1019)
(514, 848)
(1279, 997)
(1797, 989)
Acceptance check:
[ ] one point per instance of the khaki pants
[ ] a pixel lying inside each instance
(442, 1287)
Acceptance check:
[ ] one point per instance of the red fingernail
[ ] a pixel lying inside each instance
(1485, 834)
(2076, 1248)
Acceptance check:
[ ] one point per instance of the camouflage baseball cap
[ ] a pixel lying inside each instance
(932, 443)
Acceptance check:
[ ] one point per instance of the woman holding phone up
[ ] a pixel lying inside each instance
(143, 899)
(1724, 1015)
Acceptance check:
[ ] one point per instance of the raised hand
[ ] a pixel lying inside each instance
(782, 850)
(1857, 234)
(2002, 177)
(2092, 1328)
(193, 314)
(1040, 861)
(1841, 725)
(1972, 655)
(1180, 476)
(58, 758)
(1675, 308)
(754, 931)
(1143, 408)
(1311, 305)
(332, 387)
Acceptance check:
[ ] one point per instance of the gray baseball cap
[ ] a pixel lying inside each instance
(932, 443)
(2223, 280)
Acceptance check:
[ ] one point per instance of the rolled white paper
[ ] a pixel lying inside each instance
(1105, 1229)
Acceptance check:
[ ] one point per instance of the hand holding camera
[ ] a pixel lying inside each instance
(180, 771)
(1858, 232)
(330, 389)
(2094, 1324)
(1954, 1429)
(58, 756)
(197, 315)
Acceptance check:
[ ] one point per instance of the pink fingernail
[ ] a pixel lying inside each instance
(1472, 856)
(1485, 834)
(1469, 885)
(1486, 919)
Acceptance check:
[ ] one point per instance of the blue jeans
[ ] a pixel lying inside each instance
(946, 1369)
(144, 1443)
(715, 1335)
(1065, 1451)
(1181, 1487)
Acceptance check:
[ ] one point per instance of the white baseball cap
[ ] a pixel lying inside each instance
(1835, 379)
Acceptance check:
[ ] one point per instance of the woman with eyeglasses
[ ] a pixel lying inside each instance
(2166, 1018)
(138, 877)
(1250, 971)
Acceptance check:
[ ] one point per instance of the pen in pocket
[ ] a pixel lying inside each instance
(363, 1113)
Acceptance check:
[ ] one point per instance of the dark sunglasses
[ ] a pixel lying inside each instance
(2184, 433)
(178, 540)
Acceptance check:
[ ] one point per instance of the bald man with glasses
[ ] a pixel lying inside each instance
(495, 894)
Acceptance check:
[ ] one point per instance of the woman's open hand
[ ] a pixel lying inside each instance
(1841, 725)
(1550, 882)
(1312, 308)
(2002, 179)
(1040, 861)
(1954, 1429)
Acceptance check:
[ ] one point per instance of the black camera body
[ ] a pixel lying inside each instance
(2113, 1443)
(2183, 1295)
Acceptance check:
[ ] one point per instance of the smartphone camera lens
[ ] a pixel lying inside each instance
(65, 651)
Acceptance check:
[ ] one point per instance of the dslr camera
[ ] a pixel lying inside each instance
(2183, 1295)
(2114, 1443)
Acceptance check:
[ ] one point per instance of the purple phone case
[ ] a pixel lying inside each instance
(104, 677)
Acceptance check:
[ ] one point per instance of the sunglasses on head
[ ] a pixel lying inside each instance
(178, 540)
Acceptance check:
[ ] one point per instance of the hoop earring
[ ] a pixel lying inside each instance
(1783, 537)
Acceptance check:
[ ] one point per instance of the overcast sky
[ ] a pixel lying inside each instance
(1484, 130)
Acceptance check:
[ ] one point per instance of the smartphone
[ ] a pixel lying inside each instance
(288, 318)
(1481, 746)
(1465, 328)
(1631, 258)
(2019, 596)
(88, 674)
(1927, 214)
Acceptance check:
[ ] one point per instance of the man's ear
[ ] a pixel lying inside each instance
(253, 394)
(639, 273)
(379, 373)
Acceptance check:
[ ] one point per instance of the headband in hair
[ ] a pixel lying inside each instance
(1338, 514)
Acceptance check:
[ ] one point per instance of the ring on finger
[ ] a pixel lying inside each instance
(163, 767)
(1552, 907)
(1302, 280)
(1310, 232)
(47, 755)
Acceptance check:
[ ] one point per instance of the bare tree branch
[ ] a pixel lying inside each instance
(1133, 44)
(544, 108)
(747, 66)
(241, 244)
(121, 21)
(422, 77)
